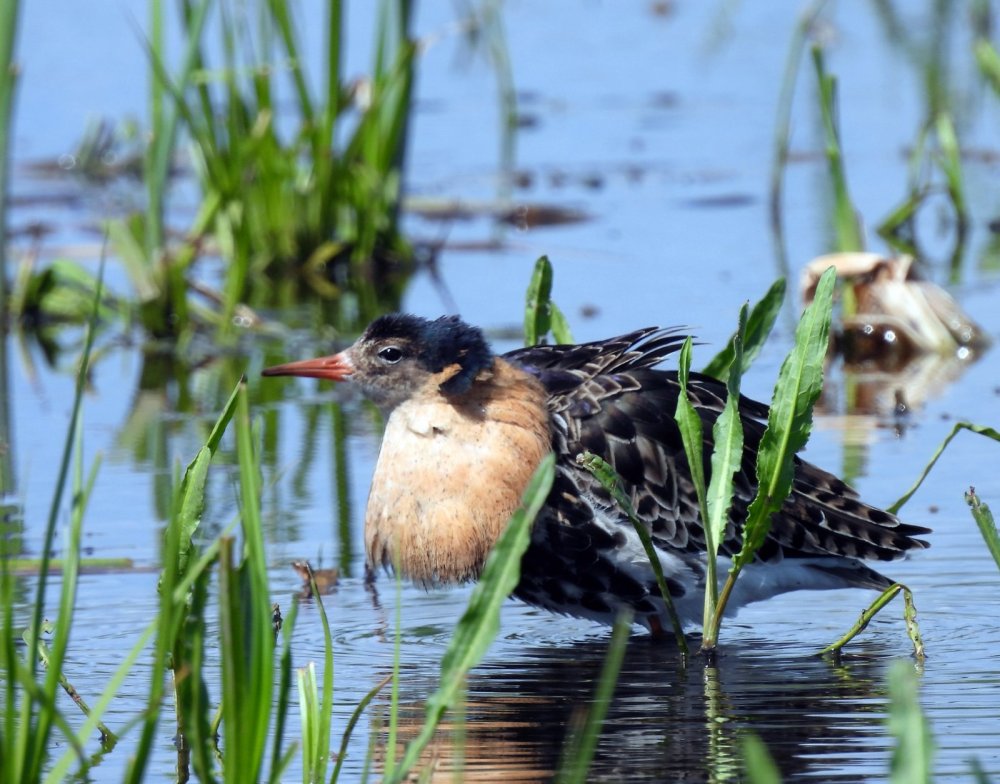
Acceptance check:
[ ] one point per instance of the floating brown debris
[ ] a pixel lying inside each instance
(522, 215)
(326, 579)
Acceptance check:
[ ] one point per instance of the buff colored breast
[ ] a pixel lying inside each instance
(451, 472)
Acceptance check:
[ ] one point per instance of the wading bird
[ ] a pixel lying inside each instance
(466, 428)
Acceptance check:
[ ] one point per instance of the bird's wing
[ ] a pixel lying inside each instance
(606, 398)
(642, 348)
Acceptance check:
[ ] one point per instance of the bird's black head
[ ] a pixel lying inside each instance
(400, 339)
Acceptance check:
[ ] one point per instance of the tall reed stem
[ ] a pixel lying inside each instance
(8, 83)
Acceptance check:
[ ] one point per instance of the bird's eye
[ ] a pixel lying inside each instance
(391, 354)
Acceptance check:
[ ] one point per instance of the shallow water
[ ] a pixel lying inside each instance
(658, 126)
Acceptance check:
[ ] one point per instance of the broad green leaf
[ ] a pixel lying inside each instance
(727, 454)
(192, 501)
(192, 492)
(692, 437)
(536, 308)
(800, 382)
(559, 325)
(761, 321)
(541, 314)
(690, 426)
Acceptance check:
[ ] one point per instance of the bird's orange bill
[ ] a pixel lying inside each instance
(336, 367)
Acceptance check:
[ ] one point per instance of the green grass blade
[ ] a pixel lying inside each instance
(10, 661)
(397, 646)
(845, 221)
(759, 324)
(178, 577)
(334, 37)
(280, 12)
(309, 717)
(803, 31)
(36, 694)
(692, 437)
(245, 623)
(9, 74)
(951, 164)
(914, 752)
(159, 156)
(70, 575)
(579, 751)
(612, 483)
(987, 526)
(233, 646)
(982, 430)
(279, 759)
(192, 702)
(316, 749)
(60, 770)
(352, 723)
(33, 732)
(758, 764)
(481, 620)
(988, 61)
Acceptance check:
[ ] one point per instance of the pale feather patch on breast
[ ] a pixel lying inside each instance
(428, 419)
(451, 473)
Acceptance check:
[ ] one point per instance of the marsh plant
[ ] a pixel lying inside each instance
(237, 725)
(306, 197)
(300, 173)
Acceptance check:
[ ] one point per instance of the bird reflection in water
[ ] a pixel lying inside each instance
(667, 722)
